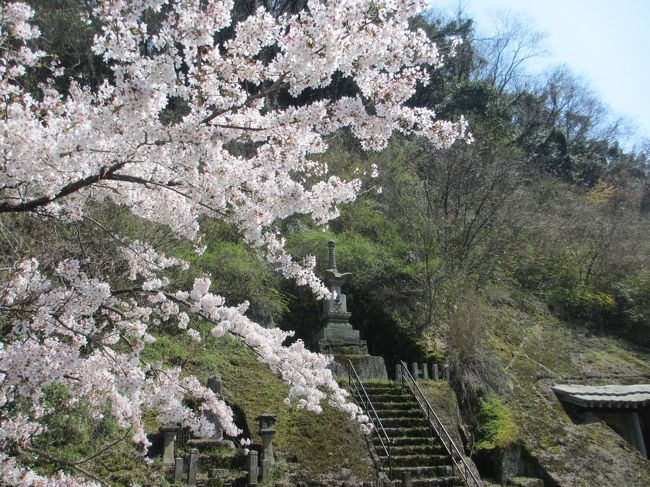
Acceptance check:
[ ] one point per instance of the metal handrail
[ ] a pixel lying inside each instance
(440, 430)
(369, 409)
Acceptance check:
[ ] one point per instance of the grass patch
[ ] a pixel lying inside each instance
(496, 426)
(100, 446)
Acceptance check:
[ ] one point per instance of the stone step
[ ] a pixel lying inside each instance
(437, 482)
(418, 449)
(406, 441)
(389, 391)
(399, 398)
(419, 461)
(416, 432)
(369, 384)
(428, 472)
(410, 404)
(405, 412)
(398, 422)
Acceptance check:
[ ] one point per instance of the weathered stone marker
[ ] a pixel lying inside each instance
(267, 432)
(178, 469)
(436, 375)
(406, 479)
(425, 371)
(252, 467)
(169, 443)
(215, 385)
(445, 370)
(398, 372)
(415, 371)
(194, 467)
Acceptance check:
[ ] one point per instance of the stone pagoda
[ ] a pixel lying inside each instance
(336, 336)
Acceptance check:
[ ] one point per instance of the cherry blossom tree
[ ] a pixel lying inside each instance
(64, 149)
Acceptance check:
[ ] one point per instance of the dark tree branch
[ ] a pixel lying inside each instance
(60, 461)
(31, 205)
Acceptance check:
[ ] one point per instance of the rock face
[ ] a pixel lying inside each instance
(536, 352)
(583, 455)
(367, 366)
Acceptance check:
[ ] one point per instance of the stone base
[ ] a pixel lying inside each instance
(342, 347)
(367, 366)
(337, 331)
(203, 443)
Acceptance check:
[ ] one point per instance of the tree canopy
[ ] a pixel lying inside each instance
(173, 115)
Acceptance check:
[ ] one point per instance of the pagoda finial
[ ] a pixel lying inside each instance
(332, 256)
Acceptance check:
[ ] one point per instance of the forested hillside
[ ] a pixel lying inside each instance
(533, 231)
(545, 202)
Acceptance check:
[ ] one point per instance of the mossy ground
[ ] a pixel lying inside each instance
(324, 444)
(443, 401)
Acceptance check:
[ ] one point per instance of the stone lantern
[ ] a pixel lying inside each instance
(267, 432)
(169, 432)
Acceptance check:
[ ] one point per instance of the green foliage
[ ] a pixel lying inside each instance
(635, 294)
(583, 303)
(632, 296)
(65, 34)
(496, 427)
(97, 445)
(237, 273)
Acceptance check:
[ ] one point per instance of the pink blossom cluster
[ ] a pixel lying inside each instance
(62, 150)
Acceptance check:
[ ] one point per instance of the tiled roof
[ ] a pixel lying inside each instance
(609, 396)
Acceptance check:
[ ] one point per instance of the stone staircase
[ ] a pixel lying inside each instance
(413, 449)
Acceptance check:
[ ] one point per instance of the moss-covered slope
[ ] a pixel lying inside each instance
(536, 351)
(307, 445)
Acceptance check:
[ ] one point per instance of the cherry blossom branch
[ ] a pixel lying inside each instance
(65, 191)
(105, 449)
(71, 329)
(24, 450)
(276, 86)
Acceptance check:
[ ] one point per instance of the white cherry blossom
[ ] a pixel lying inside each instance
(63, 150)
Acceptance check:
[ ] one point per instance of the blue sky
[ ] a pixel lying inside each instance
(605, 41)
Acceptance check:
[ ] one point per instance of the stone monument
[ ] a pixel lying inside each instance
(336, 336)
